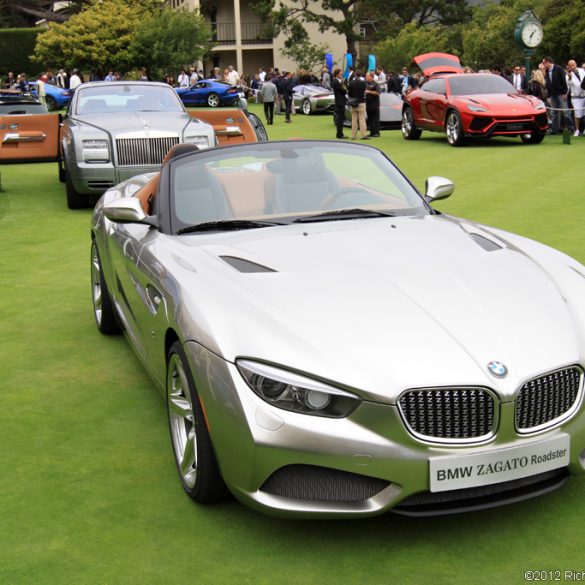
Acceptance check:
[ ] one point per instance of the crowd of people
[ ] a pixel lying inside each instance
(563, 89)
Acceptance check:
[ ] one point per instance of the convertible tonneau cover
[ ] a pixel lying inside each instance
(433, 63)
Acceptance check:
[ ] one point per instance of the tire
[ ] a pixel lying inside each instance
(306, 107)
(190, 440)
(213, 100)
(532, 138)
(259, 128)
(61, 169)
(51, 103)
(408, 127)
(75, 200)
(103, 308)
(454, 128)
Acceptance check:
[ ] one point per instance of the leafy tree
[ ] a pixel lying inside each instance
(564, 37)
(397, 52)
(169, 39)
(97, 38)
(306, 55)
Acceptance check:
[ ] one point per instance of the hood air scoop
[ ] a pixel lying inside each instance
(246, 266)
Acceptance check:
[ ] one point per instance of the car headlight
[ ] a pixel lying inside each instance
(540, 106)
(200, 141)
(475, 108)
(96, 151)
(296, 393)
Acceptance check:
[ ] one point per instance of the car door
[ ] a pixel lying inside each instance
(437, 105)
(29, 137)
(201, 91)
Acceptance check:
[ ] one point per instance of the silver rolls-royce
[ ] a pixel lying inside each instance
(113, 131)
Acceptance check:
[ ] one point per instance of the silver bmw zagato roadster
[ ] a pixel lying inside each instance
(329, 345)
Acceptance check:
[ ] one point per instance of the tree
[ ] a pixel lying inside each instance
(305, 54)
(562, 39)
(344, 16)
(169, 39)
(414, 40)
(97, 38)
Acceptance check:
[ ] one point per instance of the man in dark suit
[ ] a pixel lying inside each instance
(556, 86)
(339, 93)
(518, 79)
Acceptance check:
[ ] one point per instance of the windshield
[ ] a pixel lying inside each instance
(124, 97)
(282, 182)
(479, 84)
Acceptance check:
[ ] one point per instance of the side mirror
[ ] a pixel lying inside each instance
(438, 188)
(128, 210)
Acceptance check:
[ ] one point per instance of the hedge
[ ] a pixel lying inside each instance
(16, 46)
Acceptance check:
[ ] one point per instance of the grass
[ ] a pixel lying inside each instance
(88, 492)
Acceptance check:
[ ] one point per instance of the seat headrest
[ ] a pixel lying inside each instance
(178, 150)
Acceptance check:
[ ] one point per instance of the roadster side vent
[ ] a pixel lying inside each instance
(246, 266)
(485, 243)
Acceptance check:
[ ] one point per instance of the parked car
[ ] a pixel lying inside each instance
(328, 345)
(313, 99)
(14, 103)
(115, 130)
(477, 105)
(56, 97)
(390, 111)
(210, 92)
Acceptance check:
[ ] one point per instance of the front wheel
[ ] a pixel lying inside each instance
(213, 100)
(194, 455)
(408, 127)
(75, 200)
(306, 107)
(103, 308)
(51, 103)
(532, 138)
(454, 129)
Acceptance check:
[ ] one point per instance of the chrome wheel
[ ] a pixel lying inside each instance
(182, 421)
(306, 107)
(96, 285)
(408, 127)
(454, 129)
(213, 100)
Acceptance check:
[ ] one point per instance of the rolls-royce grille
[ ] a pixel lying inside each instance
(449, 414)
(143, 151)
(546, 399)
(321, 484)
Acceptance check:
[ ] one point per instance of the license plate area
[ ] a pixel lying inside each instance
(498, 465)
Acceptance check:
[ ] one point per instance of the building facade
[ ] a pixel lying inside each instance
(239, 41)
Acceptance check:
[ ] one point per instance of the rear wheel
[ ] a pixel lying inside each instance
(454, 129)
(75, 200)
(194, 455)
(409, 129)
(213, 100)
(533, 137)
(103, 308)
(51, 103)
(306, 107)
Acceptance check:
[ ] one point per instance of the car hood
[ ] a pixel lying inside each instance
(116, 122)
(377, 306)
(511, 102)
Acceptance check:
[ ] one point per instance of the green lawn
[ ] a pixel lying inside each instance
(88, 488)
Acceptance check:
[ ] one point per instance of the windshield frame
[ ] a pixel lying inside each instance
(166, 203)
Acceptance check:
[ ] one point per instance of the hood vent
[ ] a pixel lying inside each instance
(485, 243)
(245, 266)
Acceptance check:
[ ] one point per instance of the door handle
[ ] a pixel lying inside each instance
(14, 137)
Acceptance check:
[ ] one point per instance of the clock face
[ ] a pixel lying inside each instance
(532, 34)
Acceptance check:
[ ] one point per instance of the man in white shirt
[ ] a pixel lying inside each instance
(74, 80)
(382, 81)
(262, 75)
(193, 77)
(232, 77)
(183, 79)
(575, 78)
(519, 80)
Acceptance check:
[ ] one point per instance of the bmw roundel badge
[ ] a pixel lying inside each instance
(497, 369)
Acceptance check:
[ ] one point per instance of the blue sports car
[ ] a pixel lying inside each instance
(211, 92)
(57, 97)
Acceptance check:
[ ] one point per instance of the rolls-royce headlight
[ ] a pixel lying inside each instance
(96, 151)
(200, 141)
(297, 393)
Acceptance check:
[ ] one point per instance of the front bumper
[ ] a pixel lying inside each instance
(94, 179)
(484, 125)
(370, 459)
